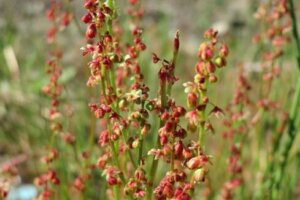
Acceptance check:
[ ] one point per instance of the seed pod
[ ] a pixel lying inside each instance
(199, 175)
(194, 162)
(187, 153)
(220, 62)
(178, 148)
(91, 31)
(213, 78)
(87, 18)
(210, 67)
(192, 100)
(223, 51)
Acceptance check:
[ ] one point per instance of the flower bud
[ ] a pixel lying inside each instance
(176, 41)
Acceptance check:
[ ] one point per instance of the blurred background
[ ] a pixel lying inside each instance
(23, 51)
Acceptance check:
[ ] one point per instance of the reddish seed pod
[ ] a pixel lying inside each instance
(55, 181)
(141, 46)
(78, 184)
(108, 38)
(200, 67)
(91, 31)
(87, 18)
(137, 40)
(163, 139)
(213, 78)
(181, 133)
(99, 113)
(165, 116)
(39, 181)
(50, 13)
(69, 138)
(47, 194)
(55, 102)
(66, 18)
(89, 4)
(187, 153)
(135, 31)
(192, 100)
(112, 180)
(178, 148)
(210, 67)
(181, 110)
(210, 34)
(51, 174)
(223, 51)
(169, 126)
(103, 138)
(194, 163)
(101, 16)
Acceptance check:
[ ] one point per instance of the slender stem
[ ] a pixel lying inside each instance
(202, 115)
(110, 4)
(129, 153)
(291, 129)
(291, 137)
(141, 139)
(163, 96)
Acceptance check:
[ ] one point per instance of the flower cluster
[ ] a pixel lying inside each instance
(237, 129)
(276, 19)
(124, 110)
(211, 57)
(60, 19)
(122, 106)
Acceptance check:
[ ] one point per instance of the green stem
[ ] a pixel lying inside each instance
(163, 96)
(290, 140)
(129, 153)
(110, 4)
(202, 116)
(141, 139)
